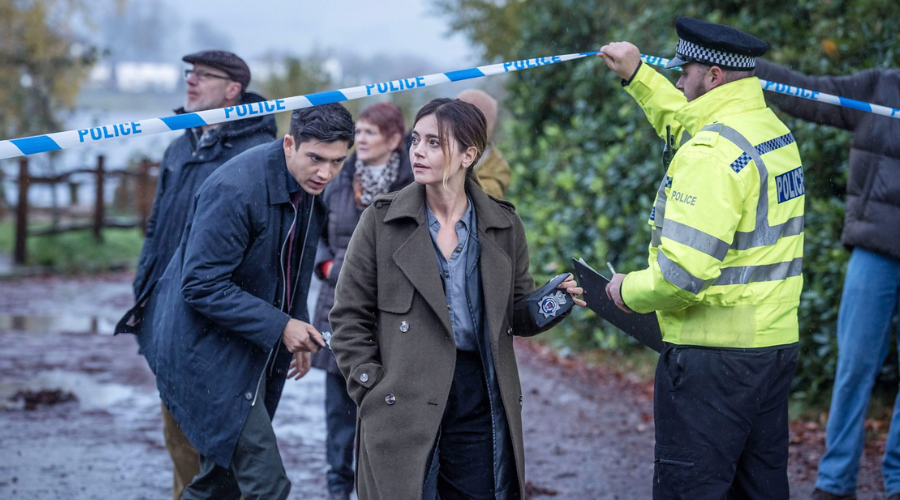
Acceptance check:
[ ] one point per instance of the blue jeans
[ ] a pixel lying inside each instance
(340, 422)
(869, 302)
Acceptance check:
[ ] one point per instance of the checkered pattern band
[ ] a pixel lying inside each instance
(690, 51)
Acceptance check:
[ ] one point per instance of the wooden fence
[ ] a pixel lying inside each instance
(141, 180)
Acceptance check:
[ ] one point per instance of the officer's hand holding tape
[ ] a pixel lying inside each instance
(623, 58)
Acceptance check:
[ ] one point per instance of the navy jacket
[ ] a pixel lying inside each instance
(183, 169)
(218, 317)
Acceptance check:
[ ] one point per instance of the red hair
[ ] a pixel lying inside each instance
(386, 116)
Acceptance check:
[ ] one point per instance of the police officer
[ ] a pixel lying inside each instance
(724, 267)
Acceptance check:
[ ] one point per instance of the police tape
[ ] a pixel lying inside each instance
(812, 95)
(72, 138)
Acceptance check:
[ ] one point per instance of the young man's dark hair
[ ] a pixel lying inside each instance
(326, 123)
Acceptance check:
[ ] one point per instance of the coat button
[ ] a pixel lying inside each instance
(248, 396)
(509, 330)
(390, 399)
(520, 400)
(404, 326)
(364, 378)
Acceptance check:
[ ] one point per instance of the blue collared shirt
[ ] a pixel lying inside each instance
(461, 269)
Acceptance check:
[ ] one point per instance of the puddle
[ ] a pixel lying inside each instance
(31, 400)
(56, 324)
(90, 394)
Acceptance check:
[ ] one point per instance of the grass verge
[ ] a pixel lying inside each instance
(78, 252)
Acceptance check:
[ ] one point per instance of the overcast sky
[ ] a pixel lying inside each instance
(299, 26)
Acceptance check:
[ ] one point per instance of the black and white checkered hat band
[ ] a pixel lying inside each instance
(690, 51)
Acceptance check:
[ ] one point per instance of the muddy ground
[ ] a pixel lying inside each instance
(79, 412)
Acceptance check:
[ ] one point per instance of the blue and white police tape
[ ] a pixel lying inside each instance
(72, 138)
(805, 93)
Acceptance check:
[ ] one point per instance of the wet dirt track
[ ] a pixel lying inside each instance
(588, 432)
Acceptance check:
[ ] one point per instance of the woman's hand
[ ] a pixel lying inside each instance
(572, 288)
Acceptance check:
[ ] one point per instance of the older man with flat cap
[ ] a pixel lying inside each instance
(724, 274)
(216, 79)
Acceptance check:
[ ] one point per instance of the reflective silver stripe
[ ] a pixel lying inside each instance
(767, 235)
(659, 209)
(756, 274)
(655, 237)
(763, 235)
(696, 239)
(676, 275)
(685, 136)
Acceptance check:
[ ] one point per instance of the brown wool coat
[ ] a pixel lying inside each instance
(393, 340)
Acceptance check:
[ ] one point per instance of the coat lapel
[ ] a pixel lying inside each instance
(416, 257)
(421, 270)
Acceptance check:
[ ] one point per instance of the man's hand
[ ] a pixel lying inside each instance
(301, 337)
(614, 291)
(572, 288)
(621, 57)
(299, 365)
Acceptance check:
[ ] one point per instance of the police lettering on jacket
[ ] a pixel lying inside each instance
(685, 198)
(790, 185)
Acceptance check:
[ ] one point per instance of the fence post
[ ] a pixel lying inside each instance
(73, 193)
(2, 195)
(22, 214)
(143, 196)
(99, 207)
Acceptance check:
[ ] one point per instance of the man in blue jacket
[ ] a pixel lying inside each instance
(217, 79)
(231, 322)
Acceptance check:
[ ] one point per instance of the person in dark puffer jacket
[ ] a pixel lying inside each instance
(872, 286)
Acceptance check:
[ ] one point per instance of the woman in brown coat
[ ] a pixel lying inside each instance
(434, 286)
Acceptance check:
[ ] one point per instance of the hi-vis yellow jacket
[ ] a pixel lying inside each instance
(727, 245)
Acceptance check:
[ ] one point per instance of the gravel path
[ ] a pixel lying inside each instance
(588, 431)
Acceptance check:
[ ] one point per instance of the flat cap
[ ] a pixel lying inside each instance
(715, 45)
(226, 61)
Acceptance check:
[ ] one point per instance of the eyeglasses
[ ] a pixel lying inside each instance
(203, 75)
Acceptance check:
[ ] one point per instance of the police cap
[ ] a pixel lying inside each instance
(226, 61)
(715, 45)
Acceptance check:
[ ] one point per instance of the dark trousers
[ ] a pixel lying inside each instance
(722, 423)
(462, 466)
(256, 469)
(340, 423)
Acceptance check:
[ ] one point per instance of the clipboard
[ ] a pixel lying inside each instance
(643, 327)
